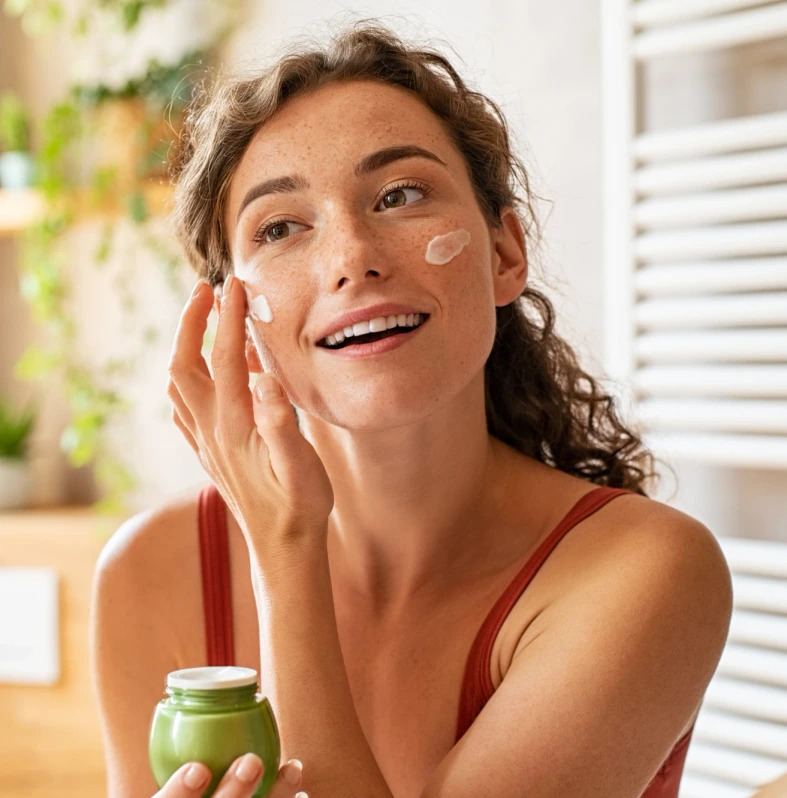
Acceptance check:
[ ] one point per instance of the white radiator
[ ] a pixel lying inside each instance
(695, 246)
(740, 739)
(695, 239)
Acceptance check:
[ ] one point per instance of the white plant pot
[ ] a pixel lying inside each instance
(15, 483)
(17, 170)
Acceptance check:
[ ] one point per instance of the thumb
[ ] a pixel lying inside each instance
(276, 423)
(270, 404)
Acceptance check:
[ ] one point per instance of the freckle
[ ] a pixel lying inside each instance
(442, 249)
(258, 306)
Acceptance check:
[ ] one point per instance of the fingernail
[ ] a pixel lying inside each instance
(301, 795)
(197, 288)
(292, 775)
(267, 387)
(196, 777)
(249, 768)
(228, 284)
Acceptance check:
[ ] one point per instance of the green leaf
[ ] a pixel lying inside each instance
(137, 206)
(36, 363)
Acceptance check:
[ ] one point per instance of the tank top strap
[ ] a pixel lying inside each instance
(215, 568)
(477, 687)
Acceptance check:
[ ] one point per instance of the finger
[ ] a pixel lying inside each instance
(277, 425)
(187, 367)
(288, 780)
(228, 360)
(186, 433)
(187, 781)
(241, 778)
(177, 400)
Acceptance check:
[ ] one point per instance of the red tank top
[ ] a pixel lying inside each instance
(477, 686)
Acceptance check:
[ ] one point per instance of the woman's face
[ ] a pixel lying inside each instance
(345, 238)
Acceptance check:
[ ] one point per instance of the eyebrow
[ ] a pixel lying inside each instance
(370, 163)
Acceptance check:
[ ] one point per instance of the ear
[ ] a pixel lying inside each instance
(509, 262)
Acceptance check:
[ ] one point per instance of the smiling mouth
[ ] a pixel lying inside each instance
(368, 338)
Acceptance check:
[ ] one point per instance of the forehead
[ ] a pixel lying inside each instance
(333, 127)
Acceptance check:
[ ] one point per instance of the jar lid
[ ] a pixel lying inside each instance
(211, 678)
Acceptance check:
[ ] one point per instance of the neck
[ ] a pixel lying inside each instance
(414, 505)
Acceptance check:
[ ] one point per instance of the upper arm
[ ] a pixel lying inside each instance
(594, 703)
(129, 656)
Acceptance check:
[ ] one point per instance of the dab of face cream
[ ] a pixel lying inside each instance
(258, 306)
(443, 248)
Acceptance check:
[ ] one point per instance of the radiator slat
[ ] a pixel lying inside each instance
(692, 786)
(652, 13)
(711, 277)
(713, 138)
(748, 770)
(728, 415)
(712, 345)
(722, 449)
(716, 380)
(715, 207)
(712, 311)
(722, 171)
(725, 241)
(745, 27)
(756, 629)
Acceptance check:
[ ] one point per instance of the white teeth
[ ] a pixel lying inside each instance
(379, 324)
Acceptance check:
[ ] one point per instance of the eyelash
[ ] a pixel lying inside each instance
(259, 236)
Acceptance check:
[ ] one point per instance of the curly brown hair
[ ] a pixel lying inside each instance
(538, 399)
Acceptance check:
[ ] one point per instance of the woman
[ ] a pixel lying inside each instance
(381, 537)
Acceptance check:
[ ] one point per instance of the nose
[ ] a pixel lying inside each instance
(353, 253)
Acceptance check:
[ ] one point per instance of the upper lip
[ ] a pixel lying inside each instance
(366, 314)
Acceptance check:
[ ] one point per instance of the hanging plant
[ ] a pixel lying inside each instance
(134, 129)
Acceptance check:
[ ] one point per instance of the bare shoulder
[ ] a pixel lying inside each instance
(632, 550)
(638, 544)
(151, 562)
(643, 565)
(150, 535)
(141, 628)
(625, 629)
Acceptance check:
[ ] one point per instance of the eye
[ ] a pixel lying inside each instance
(273, 226)
(398, 192)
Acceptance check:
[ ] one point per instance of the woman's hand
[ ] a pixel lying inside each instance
(268, 474)
(182, 785)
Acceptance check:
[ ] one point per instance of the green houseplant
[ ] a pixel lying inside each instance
(16, 162)
(15, 479)
(84, 163)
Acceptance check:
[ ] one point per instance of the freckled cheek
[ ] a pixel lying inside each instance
(273, 313)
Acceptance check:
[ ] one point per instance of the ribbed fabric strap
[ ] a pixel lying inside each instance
(216, 587)
(477, 687)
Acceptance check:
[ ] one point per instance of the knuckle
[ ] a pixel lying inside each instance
(219, 353)
(275, 417)
(175, 369)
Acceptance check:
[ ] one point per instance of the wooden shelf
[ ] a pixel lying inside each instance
(20, 208)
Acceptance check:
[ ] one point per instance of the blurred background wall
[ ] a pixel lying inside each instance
(541, 62)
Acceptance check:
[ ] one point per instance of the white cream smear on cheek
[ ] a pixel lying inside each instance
(443, 248)
(258, 306)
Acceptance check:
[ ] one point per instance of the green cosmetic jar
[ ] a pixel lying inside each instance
(213, 715)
